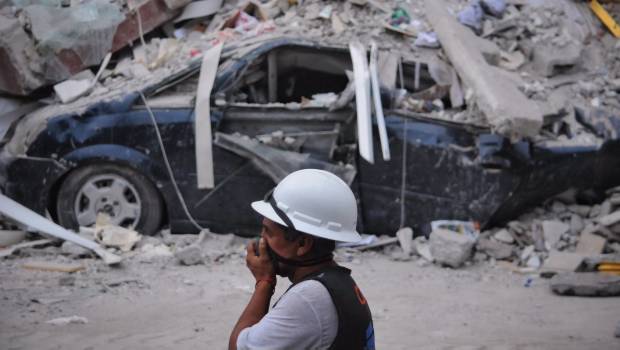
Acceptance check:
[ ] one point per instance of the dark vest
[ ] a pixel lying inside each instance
(355, 329)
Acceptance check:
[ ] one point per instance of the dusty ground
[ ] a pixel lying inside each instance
(161, 305)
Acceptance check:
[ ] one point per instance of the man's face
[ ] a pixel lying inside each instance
(274, 235)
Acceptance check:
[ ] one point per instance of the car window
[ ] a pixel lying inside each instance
(294, 75)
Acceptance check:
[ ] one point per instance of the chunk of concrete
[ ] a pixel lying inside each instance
(588, 284)
(617, 333)
(190, 255)
(533, 261)
(495, 249)
(547, 58)
(471, 15)
(553, 231)
(71, 38)
(22, 69)
(504, 236)
(494, 7)
(450, 248)
(71, 90)
(422, 248)
(176, 4)
(150, 252)
(505, 107)
(609, 220)
(405, 239)
(117, 237)
(562, 261)
(590, 244)
(576, 224)
(10, 237)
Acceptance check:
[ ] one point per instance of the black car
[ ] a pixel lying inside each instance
(108, 157)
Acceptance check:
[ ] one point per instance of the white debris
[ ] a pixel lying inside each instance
(62, 321)
(450, 248)
(117, 237)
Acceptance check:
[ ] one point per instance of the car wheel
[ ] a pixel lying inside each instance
(128, 197)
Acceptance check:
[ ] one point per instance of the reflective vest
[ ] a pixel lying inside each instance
(355, 329)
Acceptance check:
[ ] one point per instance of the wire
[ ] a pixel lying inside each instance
(140, 31)
(163, 151)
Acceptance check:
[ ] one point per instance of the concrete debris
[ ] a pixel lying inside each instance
(586, 284)
(471, 15)
(197, 9)
(562, 261)
(70, 90)
(533, 261)
(553, 231)
(617, 333)
(504, 236)
(117, 237)
(54, 31)
(494, 7)
(427, 39)
(610, 219)
(422, 248)
(405, 239)
(337, 24)
(548, 59)
(590, 244)
(11, 237)
(494, 249)
(506, 108)
(63, 321)
(450, 248)
(192, 254)
(150, 252)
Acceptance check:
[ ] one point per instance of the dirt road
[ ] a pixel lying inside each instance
(161, 305)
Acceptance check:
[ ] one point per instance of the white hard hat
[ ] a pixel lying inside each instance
(315, 202)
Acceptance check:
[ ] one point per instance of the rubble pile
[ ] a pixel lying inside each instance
(549, 49)
(563, 226)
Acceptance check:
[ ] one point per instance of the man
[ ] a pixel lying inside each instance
(305, 215)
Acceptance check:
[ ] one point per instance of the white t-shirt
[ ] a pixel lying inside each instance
(304, 318)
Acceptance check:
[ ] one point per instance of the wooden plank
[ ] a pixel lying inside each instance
(202, 121)
(52, 266)
(362, 100)
(376, 95)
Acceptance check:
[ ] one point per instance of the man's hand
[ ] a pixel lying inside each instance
(261, 266)
(263, 270)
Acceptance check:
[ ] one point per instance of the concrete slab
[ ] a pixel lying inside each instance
(506, 108)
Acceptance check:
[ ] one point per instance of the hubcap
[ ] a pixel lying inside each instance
(110, 194)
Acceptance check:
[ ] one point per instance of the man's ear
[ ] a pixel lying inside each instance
(305, 244)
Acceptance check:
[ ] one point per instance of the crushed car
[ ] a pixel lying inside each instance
(277, 106)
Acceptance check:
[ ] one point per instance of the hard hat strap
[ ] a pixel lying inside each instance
(280, 213)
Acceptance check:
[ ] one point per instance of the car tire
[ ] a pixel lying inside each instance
(129, 197)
